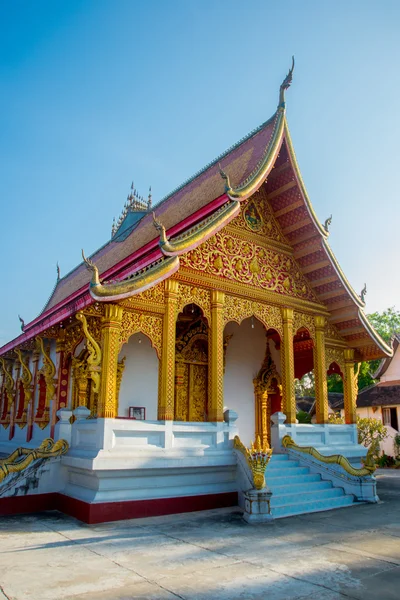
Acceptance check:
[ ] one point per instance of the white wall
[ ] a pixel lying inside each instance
(393, 370)
(244, 357)
(139, 386)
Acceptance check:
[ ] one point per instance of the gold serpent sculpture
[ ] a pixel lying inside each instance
(198, 233)
(134, 284)
(21, 458)
(369, 463)
(257, 457)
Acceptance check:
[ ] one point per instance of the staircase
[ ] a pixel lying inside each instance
(296, 491)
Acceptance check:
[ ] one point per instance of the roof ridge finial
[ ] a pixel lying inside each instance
(22, 322)
(284, 86)
(149, 199)
(363, 293)
(58, 272)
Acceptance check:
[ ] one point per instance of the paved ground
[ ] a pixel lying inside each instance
(348, 553)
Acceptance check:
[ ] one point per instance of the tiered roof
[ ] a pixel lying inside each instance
(265, 157)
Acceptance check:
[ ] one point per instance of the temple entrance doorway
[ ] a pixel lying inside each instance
(191, 365)
(252, 376)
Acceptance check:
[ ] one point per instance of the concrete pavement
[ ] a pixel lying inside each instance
(352, 552)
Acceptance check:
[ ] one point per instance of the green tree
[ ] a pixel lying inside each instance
(370, 431)
(386, 324)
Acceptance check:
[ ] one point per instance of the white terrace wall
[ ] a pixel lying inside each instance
(139, 386)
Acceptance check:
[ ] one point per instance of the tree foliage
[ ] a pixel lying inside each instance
(370, 431)
(386, 323)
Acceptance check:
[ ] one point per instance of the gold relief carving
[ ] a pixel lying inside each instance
(96, 309)
(287, 366)
(94, 327)
(303, 320)
(216, 357)
(150, 325)
(48, 370)
(111, 326)
(191, 375)
(120, 372)
(94, 358)
(332, 332)
(321, 388)
(335, 355)
(72, 337)
(228, 256)
(181, 390)
(256, 215)
(237, 309)
(154, 294)
(26, 376)
(9, 383)
(350, 386)
(198, 392)
(167, 379)
(194, 295)
(80, 382)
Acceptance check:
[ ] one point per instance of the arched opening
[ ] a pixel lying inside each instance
(191, 365)
(303, 353)
(137, 379)
(252, 376)
(335, 392)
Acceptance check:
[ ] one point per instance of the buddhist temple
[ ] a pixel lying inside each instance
(184, 331)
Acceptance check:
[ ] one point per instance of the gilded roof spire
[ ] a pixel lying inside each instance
(22, 322)
(284, 86)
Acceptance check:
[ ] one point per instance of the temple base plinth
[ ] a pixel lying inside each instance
(257, 507)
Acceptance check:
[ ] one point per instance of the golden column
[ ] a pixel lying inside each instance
(287, 366)
(321, 387)
(167, 364)
(350, 387)
(216, 358)
(110, 330)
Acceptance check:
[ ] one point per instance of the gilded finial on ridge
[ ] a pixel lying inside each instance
(363, 293)
(225, 177)
(285, 85)
(327, 224)
(22, 322)
(58, 272)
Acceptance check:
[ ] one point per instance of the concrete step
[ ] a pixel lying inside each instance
(310, 486)
(280, 464)
(296, 497)
(298, 475)
(300, 508)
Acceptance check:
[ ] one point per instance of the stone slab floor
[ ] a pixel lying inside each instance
(347, 553)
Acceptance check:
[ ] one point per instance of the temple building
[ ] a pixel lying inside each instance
(188, 326)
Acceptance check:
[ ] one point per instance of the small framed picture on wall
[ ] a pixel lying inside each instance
(137, 412)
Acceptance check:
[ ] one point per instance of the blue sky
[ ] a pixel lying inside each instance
(94, 94)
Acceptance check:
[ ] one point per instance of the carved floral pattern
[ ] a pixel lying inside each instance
(150, 325)
(268, 226)
(228, 256)
(302, 320)
(335, 355)
(194, 295)
(237, 309)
